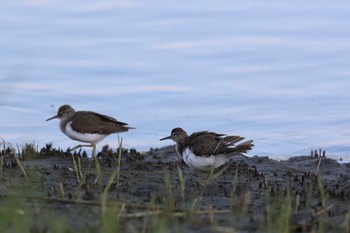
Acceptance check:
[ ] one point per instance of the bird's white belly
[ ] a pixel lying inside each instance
(202, 162)
(83, 137)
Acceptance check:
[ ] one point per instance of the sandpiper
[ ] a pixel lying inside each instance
(86, 126)
(205, 150)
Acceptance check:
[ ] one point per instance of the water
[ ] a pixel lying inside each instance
(274, 72)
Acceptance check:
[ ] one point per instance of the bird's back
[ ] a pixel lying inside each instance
(207, 143)
(95, 123)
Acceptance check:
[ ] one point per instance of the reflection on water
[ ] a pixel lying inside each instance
(272, 72)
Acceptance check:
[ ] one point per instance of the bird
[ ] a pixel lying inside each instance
(87, 126)
(205, 150)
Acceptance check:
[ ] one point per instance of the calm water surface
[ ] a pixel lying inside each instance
(276, 72)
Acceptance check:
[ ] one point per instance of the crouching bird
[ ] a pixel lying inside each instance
(205, 150)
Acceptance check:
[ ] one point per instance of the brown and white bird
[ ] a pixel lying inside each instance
(86, 126)
(205, 150)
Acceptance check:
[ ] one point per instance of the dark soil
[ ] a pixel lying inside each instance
(245, 195)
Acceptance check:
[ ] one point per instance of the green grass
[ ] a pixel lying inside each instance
(181, 184)
(16, 214)
(20, 213)
(30, 151)
(279, 213)
(115, 175)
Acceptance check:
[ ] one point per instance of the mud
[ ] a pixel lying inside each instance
(245, 195)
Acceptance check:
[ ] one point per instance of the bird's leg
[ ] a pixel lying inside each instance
(212, 175)
(97, 164)
(80, 145)
(209, 177)
(93, 149)
(93, 145)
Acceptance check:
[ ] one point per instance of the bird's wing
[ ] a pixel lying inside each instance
(204, 143)
(111, 119)
(92, 122)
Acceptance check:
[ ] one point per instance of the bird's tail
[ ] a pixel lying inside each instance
(242, 148)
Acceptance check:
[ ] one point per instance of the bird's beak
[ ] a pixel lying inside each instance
(169, 137)
(52, 118)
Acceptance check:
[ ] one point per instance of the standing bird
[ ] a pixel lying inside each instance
(86, 126)
(205, 150)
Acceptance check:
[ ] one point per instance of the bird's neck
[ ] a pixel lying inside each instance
(63, 124)
(180, 148)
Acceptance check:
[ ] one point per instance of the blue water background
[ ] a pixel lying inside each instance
(277, 72)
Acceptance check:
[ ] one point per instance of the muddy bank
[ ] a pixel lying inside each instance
(246, 195)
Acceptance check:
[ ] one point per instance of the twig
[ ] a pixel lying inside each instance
(19, 163)
(99, 176)
(79, 169)
(77, 173)
(76, 201)
(324, 210)
(1, 164)
(110, 182)
(209, 212)
(123, 206)
(2, 157)
(19, 151)
(318, 166)
(120, 142)
(61, 189)
(3, 142)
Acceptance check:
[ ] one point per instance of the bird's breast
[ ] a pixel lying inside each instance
(83, 137)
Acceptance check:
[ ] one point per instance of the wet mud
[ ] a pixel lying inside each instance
(245, 195)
